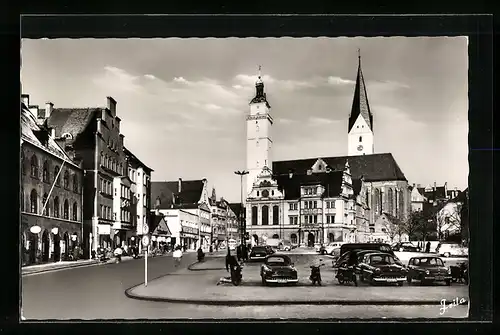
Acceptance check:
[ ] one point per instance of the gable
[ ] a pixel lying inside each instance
(319, 166)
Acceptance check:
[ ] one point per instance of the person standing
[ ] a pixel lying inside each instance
(428, 247)
(177, 256)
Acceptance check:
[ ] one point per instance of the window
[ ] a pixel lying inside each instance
(332, 204)
(315, 219)
(75, 183)
(102, 159)
(390, 200)
(372, 230)
(66, 179)
(56, 207)
(272, 192)
(265, 215)
(315, 204)
(291, 219)
(56, 177)
(121, 169)
(328, 204)
(75, 211)
(34, 166)
(258, 193)
(66, 210)
(102, 211)
(295, 206)
(22, 162)
(254, 215)
(360, 139)
(44, 200)
(328, 219)
(45, 172)
(293, 238)
(33, 202)
(275, 215)
(144, 199)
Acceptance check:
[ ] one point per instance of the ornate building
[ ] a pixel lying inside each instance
(51, 192)
(321, 199)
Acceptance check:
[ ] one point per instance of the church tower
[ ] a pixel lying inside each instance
(360, 129)
(259, 143)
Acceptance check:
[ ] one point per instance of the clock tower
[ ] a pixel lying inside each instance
(259, 143)
(360, 128)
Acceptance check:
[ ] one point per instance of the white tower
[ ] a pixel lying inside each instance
(259, 143)
(360, 129)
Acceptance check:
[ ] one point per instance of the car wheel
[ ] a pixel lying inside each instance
(448, 282)
(446, 254)
(418, 249)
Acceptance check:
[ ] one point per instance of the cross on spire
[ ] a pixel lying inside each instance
(260, 68)
(359, 54)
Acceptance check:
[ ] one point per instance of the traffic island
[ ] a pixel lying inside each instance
(200, 287)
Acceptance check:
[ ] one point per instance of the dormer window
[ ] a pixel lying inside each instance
(67, 136)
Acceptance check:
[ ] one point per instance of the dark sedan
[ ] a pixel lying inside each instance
(428, 269)
(379, 267)
(405, 246)
(279, 269)
(260, 252)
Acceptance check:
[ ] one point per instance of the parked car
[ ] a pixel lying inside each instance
(380, 267)
(451, 249)
(328, 249)
(382, 247)
(428, 269)
(405, 246)
(286, 246)
(260, 252)
(279, 269)
(317, 246)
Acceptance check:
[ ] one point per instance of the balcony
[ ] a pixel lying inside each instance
(311, 211)
(311, 225)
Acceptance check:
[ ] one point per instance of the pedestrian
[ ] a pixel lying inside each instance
(211, 248)
(428, 247)
(238, 253)
(177, 256)
(245, 252)
(231, 262)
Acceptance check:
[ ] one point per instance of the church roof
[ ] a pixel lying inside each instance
(360, 105)
(167, 191)
(376, 167)
(332, 182)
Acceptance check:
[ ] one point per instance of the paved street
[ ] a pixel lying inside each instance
(97, 292)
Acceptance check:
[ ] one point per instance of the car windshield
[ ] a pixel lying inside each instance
(382, 260)
(277, 261)
(431, 261)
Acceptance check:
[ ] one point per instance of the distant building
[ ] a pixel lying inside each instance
(387, 229)
(450, 216)
(51, 192)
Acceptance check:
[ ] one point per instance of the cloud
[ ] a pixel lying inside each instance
(387, 85)
(284, 84)
(320, 121)
(285, 120)
(333, 80)
(118, 79)
(150, 76)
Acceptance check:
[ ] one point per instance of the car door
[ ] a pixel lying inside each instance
(363, 270)
(411, 268)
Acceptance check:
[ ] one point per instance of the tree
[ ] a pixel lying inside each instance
(393, 227)
(449, 218)
(411, 224)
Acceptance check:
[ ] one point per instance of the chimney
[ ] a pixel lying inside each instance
(435, 185)
(446, 189)
(53, 133)
(157, 203)
(419, 185)
(25, 99)
(413, 185)
(112, 106)
(49, 106)
(180, 185)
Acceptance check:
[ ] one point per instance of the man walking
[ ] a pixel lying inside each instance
(177, 256)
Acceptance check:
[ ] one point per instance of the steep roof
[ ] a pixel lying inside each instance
(260, 95)
(360, 105)
(356, 186)
(71, 120)
(29, 131)
(435, 194)
(376, 167)
(291, 186)
(167, 191)
(237, 208)
(134, 157)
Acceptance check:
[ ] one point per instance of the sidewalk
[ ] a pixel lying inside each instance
(199, 286)
(32, 269)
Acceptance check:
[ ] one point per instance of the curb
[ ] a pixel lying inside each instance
(190, 267)
(62, 268)
(281, 302)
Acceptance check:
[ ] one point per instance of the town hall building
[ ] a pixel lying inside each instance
(322, 199)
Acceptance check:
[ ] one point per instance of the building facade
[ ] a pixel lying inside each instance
(302, 213)
(51, 193)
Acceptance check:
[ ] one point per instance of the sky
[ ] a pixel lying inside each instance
(183, 101)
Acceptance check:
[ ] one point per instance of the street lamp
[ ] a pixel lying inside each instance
(241, 174)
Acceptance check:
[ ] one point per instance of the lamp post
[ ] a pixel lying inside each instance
(242, 233)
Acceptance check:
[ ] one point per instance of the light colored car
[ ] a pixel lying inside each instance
(451, 249)
(329, 249)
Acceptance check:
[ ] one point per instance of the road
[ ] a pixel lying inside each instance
(97, 292)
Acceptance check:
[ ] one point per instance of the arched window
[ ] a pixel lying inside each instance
(75, 183)
(46, 209)
(75, 211)
(390, 200)
(293, 239)
(380, 203)
(34, 166)
(106, 161)
(254, 215)
(56, 171)
(66, 210)
(275, 215)
(66, 179)
(102, 158)
(265, 215)
(33, 201)
(45, 172)
(401, 201)
(56, 207)
(377, 200)
(121, 169)
(360, 139)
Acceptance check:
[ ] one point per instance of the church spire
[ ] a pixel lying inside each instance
(260, 95)
(360, 101)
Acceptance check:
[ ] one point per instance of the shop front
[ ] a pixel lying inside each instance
(189, 238)
(161, 236)
(45, 240)
(106, 235)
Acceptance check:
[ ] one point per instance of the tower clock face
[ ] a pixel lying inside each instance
(360, 147)
(265, 193)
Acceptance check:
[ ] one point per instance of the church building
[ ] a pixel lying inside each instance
(321, 199)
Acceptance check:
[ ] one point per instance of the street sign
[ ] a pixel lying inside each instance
(145, 240)
(145, 229)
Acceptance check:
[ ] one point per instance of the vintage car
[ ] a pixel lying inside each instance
(329, 248)
(260, 252)
(451, 249)
(405, 246)
(428, 269)
(279, 269)
(380, 267)
(382, 247)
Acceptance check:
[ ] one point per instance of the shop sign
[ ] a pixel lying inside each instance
(104, 229)
(189, 230)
